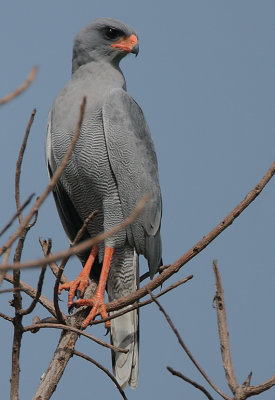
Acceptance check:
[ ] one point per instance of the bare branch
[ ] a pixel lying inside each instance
(51, 184)
(15, 355)
(30, 78)
(147, 274)
(193, 383)
(81, 246)
(6, 317)
(223, 332)
(240, 391)
(38, 293)
(30, 291)
(81, 231)
(254, 390)
(142, 303)
(75, 330)
(187, 351)
(63, 352)
(54, 267)
(19, 164)
(13, 218)
(107, 372)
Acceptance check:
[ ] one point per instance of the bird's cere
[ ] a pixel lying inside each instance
(126, 43)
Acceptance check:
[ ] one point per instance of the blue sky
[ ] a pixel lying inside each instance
(204, 78)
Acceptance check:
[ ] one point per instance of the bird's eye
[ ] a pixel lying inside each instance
(112, 33)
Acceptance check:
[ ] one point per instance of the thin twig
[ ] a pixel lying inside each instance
(13, 218)
(38, 293)
(81, 231)
(142, 303)
(11, 290)
(51, 184)
(193, 383)
(81, 246)
(58, 312)
(6, 317)
(30, 291)
(4, 261)
(19, 164)
(187, 351)
(54, 267)
(147, 274)
(223, 333)
(75, 330)
(30, 78)
(240, 391)
(100, 366)
(254, 390)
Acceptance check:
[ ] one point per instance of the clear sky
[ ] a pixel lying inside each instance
(204, 78)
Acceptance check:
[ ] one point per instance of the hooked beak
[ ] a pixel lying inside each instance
(128, 44)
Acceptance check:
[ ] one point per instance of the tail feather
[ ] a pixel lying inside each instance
(124, 329)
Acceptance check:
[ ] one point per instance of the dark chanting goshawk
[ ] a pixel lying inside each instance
(113, 165)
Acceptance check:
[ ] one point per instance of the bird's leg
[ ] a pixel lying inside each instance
(82, 281)
(97, 302)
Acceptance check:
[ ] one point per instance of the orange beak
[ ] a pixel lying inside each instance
(129, 44)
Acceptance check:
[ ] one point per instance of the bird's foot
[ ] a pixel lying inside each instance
(98, 308)
(78, 286)
(75, 288)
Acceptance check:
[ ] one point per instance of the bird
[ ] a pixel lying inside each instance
(112, 166)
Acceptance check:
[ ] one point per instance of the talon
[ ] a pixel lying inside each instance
(97, 302)
(71, 308)
(78, 286)
(108, 330)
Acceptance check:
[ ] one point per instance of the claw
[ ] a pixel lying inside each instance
(71, 308)
(108, 329)
(97, 302)
(78, 286)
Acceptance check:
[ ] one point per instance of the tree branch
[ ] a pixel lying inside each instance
(107, 372)
(81, 246)
(30, 78)
(13, 218)
(54, 267)
(240, 392)
(142, 303)
(30, 291)
(51, 184)
(193, 383)
(187, 351)
(223, 333)
(75, 330)
(38, 293)
(6, 317)
(19, 164)
(63, 352)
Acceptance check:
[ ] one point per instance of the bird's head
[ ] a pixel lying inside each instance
(104, 39)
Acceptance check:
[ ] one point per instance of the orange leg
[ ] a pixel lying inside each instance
(82, 281)
(97, 302)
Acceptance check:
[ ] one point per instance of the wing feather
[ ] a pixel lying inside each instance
(134, 163)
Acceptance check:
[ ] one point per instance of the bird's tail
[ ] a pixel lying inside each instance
(123, 280)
